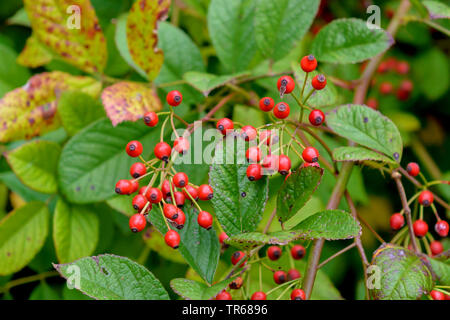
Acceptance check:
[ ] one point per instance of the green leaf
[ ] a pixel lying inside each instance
(403, 275)
(22, 235)
(44, 292)
(441, 268)
(248, 115)
(155, 241)
(61, 32)
(129, 101)
(35, 164)
(326, 97)
(296, 191)
(206, 82)
(94, 159)
(230, 25)
(181, 55)
(280, 24)
(437, 10)
(75, 231)
(199, 247)
(367, 127)
(429, 66)
(349, 41)
(142, 35)
(30, 110)
(193, 290)
(238, 202)
(328, 224)
(77, 110)
(20, 18)
(359, 154)
(12, 75)
(110, 277)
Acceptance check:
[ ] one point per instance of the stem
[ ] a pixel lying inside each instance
(337, 254)
(309, 95)
(25, 280)
(407, 211)
(314, 256)
(269, 222)
(419, 185)
(339, 188)
(304, 85)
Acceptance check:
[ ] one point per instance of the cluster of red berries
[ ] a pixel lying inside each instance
(405, 88)
(420, 227)
(273, 253)
(174, 188)
(281, 163)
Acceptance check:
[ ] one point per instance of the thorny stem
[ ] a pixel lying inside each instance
(407, 211)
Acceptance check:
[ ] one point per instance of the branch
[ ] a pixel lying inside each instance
(337, 254)
(398, 180)
(339, 188)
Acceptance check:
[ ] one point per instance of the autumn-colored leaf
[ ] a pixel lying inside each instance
(35, 54)
(71, 29)
(30, 110)
(129, 101)
(142, 36)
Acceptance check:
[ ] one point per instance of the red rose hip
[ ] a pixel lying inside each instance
(308, 63)
(420, 228)
(137, 222)
(174, 98)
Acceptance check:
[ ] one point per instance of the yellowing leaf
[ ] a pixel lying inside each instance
(129, 101)
(22, 235)
(35, 54)
(30, 110)
(142, 36)
(71, 29)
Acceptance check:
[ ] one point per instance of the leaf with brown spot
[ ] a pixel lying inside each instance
(83, 47)
(142, 36)
(35, 54)
(30, 110)
(129, 101)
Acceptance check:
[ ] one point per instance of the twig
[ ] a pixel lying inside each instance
(337, 254)
(211, 112)
(269, 222)
(25, 280)
(407, 211)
